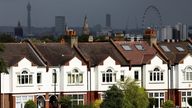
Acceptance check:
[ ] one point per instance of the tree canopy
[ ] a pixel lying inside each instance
(113, 98)
(134, 96)
(30, 104)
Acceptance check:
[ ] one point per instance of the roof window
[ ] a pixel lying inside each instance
(127, 47)
(165, 48)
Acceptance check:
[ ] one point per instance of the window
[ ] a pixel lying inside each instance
(77, 99)
(75, 77)
(136, 75)
(39, 78)
(122, 76)
(127, 47)
(184, 98)
(21, 100)
(159, 98)
(24, 78)
(165, 48)
(156, 75)
(109, 76)
(54, 77)
(180, 49)
(187, 73)
(139, 47)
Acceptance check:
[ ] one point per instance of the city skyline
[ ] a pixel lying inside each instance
(122, 12)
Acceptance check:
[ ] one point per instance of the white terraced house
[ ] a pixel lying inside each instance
(44, 72)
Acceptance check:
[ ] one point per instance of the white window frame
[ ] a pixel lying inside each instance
(21, 100)
(75, 77)
(78, 99)
(159, 96)
(156, 75)
(25, 77)
(40, 77)
(184, 98)
(109, 76)
(187, 74)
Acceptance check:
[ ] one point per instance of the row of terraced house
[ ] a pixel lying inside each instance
(84, 71)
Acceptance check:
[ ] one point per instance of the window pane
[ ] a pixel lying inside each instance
(74, 96)
(122, 77)
(38, 77)
(156, 94)
(22, 79)
(69, 78)
(188, 93)
(161, 76)
(151, 76)
(107, 75)
(136, 75)
(154, 76)
(150, 94)
(110, 77)
(103, 77)
(77, 78)
(80, 78)
(26, 79)
(30, 79)
(158, 76)
(183, 93)
(73, 78)
(80, 96)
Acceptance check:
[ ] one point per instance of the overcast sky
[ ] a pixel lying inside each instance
(122, 11)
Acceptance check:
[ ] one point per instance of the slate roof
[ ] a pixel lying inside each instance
(14, 52)
(175, 56)
(56, 53)
(97, 52)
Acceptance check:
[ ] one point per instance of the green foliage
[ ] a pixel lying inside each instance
(65, 102)
(3, 66)
(189, 100)
(134, 96)
(97, 103)
(113, 98)
(151, 102)
(5, 38)
(30, 104)
(168, 104)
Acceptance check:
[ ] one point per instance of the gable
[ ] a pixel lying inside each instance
(187, 59)
(24, 63)
(75, 62)
(156, 60)
(109, 61)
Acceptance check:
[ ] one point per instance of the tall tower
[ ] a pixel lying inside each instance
(60, 25)
(29, 18)
(85, 27)
(108, 21)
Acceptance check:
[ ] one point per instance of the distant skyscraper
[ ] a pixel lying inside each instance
(85, 27)
(108, 21)
(183, 31)
(166, 32)
(29, 18)
(60, 25)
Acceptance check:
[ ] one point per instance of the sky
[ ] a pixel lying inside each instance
(123, 12)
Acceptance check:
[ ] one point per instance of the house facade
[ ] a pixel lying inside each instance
(43, 72)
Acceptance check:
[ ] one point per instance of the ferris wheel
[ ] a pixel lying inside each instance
(152, 18)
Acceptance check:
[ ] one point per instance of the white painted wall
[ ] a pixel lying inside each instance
(74, 63)
(155, 62)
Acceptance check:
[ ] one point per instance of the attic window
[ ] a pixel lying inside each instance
(180, 49)
(139, 47)
(127, 47)
(165, 48)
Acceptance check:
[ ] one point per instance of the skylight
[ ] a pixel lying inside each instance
(139, 47)
(165, 48)
(127, 47)
(180, 49)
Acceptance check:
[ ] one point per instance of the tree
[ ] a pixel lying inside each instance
(30, 104)
(97, 103)
(65, 102)
(168, 104)
(151, 102)
(3, 67)
(113, 98)
(189, 100)
(134, 96)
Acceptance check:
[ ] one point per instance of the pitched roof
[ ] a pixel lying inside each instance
(136, 55)
(57, 54)
(97, 52)
(14, 52)
(175, 55)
